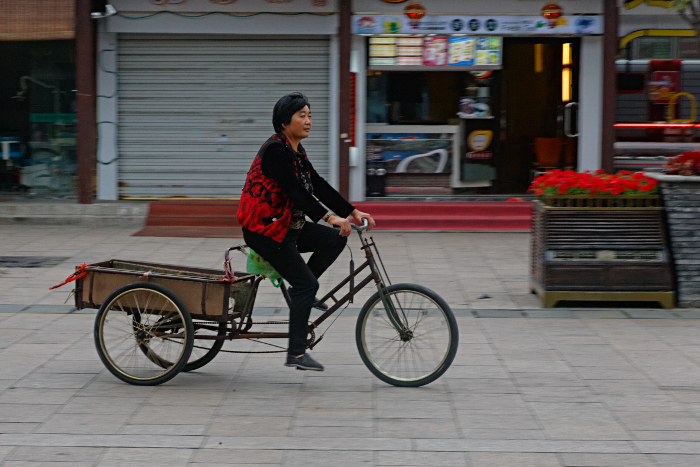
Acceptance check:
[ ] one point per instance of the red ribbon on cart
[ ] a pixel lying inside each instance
(229, 276)
(79, 272)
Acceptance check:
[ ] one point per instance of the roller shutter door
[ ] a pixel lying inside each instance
(194, 110)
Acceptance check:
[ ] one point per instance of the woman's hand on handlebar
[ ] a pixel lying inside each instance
(344, 225)
(359, 216)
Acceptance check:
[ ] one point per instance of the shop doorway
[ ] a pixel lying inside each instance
(538, 124)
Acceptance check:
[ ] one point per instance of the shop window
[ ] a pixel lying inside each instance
(661, 48)
(655, 48)
(414, 97)
(39, 116)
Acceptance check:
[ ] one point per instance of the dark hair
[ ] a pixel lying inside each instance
(286, 107)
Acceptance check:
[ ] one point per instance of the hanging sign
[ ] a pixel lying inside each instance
(551, 11)
(478, 25)
(415, 11)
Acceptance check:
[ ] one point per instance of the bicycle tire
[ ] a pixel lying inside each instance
(209, 355)
(415, 303)
(147, 361)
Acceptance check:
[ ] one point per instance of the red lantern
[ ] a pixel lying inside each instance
(552, 11)
(415, 11)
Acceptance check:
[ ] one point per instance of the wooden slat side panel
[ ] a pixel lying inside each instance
(189, 292)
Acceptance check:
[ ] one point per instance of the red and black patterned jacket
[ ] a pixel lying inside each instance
(273, 187)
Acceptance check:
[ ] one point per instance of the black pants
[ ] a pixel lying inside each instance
(326, 244)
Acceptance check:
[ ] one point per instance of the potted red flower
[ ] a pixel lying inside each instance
(687, 163)
(558, 185)
(599, 237)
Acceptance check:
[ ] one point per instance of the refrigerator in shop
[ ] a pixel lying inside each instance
(479, 132)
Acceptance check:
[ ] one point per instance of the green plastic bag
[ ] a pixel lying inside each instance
(257, 265)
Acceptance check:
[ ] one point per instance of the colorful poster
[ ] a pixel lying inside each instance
(461, 51)
(411, 152)
(435, 51)
(488, 51)
(663, 85)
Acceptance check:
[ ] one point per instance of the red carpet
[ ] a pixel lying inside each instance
(192, 218)
(217, 218)
(448, 215)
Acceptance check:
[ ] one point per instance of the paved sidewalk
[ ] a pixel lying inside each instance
(529, 387)
(459, 266)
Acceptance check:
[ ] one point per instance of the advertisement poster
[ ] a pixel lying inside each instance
(662, 85)
(488, 51)
(411, 152)
(435, 51)
(461, 51)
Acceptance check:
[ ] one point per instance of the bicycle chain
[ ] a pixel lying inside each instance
(313, 336)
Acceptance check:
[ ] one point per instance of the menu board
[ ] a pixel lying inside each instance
(409, 51)
(382, 50)
(461, 51)
(435, 50)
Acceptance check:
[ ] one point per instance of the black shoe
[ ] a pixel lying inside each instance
(305, 362)
(319, 305)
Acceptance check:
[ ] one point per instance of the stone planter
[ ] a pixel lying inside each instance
(681, 197)
(601, 248)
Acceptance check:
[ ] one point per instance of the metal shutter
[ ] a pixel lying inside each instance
(194, 110)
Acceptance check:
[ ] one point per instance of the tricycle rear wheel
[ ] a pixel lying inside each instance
(204, 350)
(144, 334)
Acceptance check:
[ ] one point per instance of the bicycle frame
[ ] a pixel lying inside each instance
(242, 331)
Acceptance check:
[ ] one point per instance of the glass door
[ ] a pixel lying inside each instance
(538, 118)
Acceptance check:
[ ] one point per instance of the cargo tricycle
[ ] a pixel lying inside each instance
(155, 320)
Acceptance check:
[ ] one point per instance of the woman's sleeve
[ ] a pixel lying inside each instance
(278, 165)
(329, 195)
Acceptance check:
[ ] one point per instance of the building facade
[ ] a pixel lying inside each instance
(447, 96)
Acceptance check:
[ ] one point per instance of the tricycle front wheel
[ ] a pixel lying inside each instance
(412, 346)
(144, 334)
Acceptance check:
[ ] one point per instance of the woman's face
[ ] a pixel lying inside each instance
(300, 125)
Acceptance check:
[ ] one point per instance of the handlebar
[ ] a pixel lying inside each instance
(360, 228)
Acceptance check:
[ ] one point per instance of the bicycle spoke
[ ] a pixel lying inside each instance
(157, 334)
(419, 349)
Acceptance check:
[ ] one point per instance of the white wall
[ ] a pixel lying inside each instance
(107, 95)
(268, 24)
(235, 6)
(590, 103)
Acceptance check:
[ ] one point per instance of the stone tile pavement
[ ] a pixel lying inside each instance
(529, 387)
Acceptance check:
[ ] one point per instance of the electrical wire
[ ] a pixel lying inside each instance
(233, 15)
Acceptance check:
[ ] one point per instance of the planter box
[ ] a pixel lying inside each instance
(601, 248)
(681, 195)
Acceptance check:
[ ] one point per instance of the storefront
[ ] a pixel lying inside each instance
(452, 103)
(658, 84)
(186, 91)
(37, 98)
